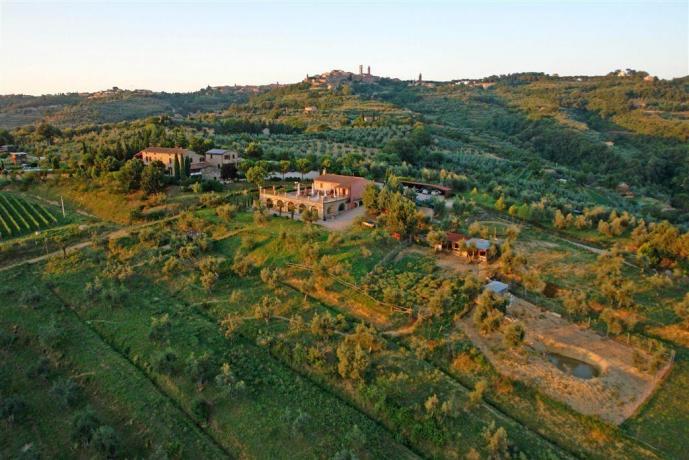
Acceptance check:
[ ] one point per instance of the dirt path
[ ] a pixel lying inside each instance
(115, 234)
(404, 330)
(586, 247)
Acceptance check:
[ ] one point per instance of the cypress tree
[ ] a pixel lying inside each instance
(187, 166)
(176, 168)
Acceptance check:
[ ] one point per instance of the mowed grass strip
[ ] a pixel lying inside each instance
(32, 373)
(111, 379)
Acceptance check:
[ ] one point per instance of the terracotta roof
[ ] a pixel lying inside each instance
(219, 152)
(167, 150)
(199, 165)
(339, 179)
(452, 236)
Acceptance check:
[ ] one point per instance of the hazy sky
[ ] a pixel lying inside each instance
(49, 47)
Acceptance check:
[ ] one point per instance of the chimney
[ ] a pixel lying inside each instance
(369, 71)
(361, 69)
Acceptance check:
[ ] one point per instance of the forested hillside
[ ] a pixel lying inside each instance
(111, 106)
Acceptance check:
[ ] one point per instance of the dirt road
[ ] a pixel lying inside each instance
(115, 234)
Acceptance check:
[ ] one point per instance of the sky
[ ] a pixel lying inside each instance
(52, 47)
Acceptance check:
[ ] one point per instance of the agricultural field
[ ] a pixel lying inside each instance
(168, 316)
(19, 216)
(246, 336)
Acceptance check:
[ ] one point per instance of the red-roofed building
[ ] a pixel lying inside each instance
(336, 185)
(455, 241)
(330, 195)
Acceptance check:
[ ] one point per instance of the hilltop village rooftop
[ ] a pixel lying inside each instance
(330, 195)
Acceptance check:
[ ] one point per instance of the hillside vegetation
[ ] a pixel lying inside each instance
(152, 315)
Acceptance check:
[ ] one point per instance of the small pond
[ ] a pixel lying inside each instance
(573, 366)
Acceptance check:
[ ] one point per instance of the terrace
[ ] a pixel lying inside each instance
(326, 204)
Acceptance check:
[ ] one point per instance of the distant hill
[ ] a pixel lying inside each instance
(622, 101)
(115, 105)
(634, 101)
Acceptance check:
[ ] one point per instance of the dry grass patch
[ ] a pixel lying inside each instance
(614, 395)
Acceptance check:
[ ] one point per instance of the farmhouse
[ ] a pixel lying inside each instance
(219, 157)
(204, 170)
(330, 195)
(19, 158)
(167, 156)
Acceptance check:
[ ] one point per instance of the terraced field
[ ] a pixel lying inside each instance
(19, 216)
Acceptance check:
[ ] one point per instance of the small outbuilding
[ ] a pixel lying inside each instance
(498, 287)
(454, 241)
(478, 248)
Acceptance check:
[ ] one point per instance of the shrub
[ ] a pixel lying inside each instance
(226, 211)
(84, 425)
(7, 339)
(200, 369)
(201, 408)
(115, 295)
(30, 297)
(161, 327)
(476, 395)
(106, 441)
(166, 362)
(242, 266)
(93, 288)
(40, 369)
(13, 409)
(300, 422)
(228, 381)
(67, 391)
(171, 266)
(514, 334)
(51, 335)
